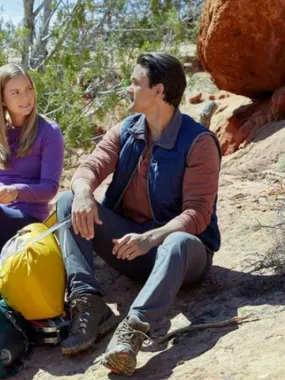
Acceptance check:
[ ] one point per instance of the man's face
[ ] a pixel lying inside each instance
(143, 98)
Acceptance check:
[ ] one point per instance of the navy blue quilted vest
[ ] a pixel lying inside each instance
(165, 174)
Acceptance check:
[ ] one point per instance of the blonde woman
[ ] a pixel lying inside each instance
(31, 154)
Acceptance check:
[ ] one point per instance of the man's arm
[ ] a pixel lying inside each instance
(200, 186)
(99, 164)
(87, 177)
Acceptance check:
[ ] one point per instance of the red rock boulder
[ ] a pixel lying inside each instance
(278, 104)
(241, 43)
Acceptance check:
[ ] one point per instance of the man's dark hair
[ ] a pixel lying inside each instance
(166, 69)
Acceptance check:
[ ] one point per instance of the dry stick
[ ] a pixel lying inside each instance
(276, 225)
(228, 322)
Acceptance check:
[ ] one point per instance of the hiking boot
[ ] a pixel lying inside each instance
(91, 318)
(121, 353)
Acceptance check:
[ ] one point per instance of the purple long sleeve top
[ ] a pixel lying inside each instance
(38, 174)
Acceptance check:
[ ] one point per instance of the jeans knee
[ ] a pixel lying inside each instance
(179, 243)
(64, 204)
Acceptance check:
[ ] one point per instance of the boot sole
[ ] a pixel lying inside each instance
(121, 362)
(106, 327)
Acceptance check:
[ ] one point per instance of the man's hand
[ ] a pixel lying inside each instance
(8, 194)
(85, 214)
(131, 246)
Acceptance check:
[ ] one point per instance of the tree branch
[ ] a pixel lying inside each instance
(40, 7)
(187, 329)
(48, 21)
(96, 29)
(61, 39)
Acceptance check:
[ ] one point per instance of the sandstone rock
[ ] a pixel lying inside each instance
(217, 96)
(223, 96)
(201, 82)
(196, 98)
(192, 64)
(278, 104)
(237, 119)
(207, 113)
(241, 43)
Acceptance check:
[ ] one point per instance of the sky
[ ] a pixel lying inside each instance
(12, 10)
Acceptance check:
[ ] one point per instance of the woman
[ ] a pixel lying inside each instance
(31, 154)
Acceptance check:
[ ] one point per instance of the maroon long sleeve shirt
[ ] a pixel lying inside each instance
(200, 183)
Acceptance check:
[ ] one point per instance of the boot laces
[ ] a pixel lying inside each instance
(126, 334)
(79, 315)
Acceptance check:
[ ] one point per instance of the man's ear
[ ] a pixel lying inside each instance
(159, 89)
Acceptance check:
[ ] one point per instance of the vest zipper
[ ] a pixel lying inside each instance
(149, 199)
(129, 181)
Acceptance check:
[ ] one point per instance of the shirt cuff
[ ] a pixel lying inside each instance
(93, 185)
(23, 191)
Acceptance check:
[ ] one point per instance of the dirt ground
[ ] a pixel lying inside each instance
(251, 193)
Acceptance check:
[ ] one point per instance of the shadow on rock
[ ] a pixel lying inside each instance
(217, 299)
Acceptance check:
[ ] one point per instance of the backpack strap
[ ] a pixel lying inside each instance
(49, 231)
(35, 240)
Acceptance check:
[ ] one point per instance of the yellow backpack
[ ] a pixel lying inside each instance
(32, 274)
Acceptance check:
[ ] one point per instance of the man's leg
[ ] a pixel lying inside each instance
(83, 288)
(90, 316)
(77, 253)
(11, 221)
(180, 258)
(114, 227)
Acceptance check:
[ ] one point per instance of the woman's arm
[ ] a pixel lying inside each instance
(51, 169)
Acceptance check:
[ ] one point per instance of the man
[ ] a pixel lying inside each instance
(157, 222)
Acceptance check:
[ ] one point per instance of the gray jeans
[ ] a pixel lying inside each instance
(181, 258)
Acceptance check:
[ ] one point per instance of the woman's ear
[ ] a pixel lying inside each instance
(7, 116)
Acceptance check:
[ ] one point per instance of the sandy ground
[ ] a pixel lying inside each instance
(250, 195)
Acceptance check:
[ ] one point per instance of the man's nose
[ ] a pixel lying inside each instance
(130, 89)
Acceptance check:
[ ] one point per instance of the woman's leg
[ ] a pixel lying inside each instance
(12, 221)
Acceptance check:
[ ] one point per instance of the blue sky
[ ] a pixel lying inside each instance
(12, 10)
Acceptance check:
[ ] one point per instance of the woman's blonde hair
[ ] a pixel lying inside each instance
(29, 129)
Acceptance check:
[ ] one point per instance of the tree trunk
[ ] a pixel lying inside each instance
(40, 44)
(29, 24)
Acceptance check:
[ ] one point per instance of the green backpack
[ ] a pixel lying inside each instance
(13, 340)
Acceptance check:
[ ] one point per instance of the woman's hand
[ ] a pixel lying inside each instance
(8, 194)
